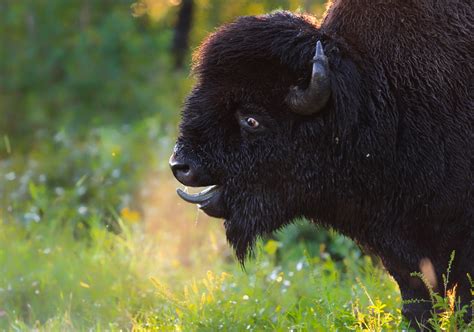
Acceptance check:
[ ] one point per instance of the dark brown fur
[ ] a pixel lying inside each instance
(388, 162)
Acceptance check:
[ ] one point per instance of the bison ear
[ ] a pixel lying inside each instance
(315, 97)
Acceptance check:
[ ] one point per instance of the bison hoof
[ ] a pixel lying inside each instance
(418, 314)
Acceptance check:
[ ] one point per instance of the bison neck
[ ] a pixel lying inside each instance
(404, 138)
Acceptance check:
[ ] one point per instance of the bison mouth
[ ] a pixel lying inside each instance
(209, 200)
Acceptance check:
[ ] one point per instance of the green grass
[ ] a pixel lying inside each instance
(51, 280)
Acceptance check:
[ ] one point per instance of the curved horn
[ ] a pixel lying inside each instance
(314, 98)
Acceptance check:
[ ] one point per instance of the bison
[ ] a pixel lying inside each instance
(363, 123)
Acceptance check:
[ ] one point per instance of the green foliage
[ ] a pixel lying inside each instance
(75, 64)
(53, 278)
(69, 178)
(267, 297)
(317, 240)
(374, 317)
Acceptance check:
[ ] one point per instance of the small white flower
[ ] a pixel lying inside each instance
(81, 190)
(31, 216)
(10, 176)
(116, 173)
(299, 266)
(59, 191)
(82, 210)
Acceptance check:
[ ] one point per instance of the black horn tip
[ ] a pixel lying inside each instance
(314, 98)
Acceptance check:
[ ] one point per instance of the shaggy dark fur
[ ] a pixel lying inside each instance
(388, 162)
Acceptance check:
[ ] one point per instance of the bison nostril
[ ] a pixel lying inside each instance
(182, 168)
(188, 172)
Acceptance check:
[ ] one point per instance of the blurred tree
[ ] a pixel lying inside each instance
(205, 15)
(73, 64)
(181, 32)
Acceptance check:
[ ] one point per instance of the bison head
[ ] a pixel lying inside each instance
(257, 126)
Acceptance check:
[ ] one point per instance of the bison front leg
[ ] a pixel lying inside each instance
(417, 305)
(416, 311)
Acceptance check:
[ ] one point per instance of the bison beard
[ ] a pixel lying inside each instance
(253, 214)
(244, 225)
(386, 160)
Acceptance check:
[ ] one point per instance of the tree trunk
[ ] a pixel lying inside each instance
(181, 33)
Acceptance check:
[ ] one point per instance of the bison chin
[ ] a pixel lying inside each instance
(253, 218)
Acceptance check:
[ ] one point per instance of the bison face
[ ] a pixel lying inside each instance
(254, 157)
(249, 130)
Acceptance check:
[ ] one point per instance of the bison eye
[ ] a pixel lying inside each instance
(252, 123)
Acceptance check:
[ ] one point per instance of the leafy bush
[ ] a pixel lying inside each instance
(72, 65)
